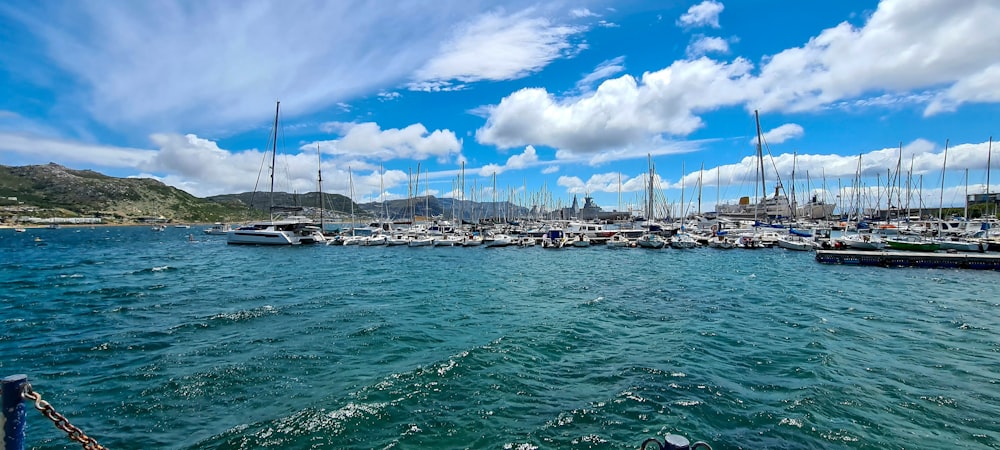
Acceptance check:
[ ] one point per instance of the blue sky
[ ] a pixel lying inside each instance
(568, 98)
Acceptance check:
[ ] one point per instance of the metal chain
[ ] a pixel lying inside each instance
(60, 421)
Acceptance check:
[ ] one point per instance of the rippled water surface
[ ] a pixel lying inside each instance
(145, 340)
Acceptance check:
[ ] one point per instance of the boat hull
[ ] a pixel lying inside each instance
(912, 246)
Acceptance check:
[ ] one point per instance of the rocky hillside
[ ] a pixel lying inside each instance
(52, 190)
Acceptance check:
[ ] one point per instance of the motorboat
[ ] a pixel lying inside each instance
(218, 229)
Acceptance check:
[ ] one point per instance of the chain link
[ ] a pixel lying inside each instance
(60, 421)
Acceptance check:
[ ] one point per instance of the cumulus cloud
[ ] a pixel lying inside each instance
(200, 167)
(703, 45)
(621, 112)
(369, 141)
(781, 134)
(526, 159)
(703, 14)
(904, 53)
(981, 87)
(605, 182)
(517, 44)
(904, 46)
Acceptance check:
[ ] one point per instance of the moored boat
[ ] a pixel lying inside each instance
(618, 241)
(650, 240)
(289, 231)
(581, 240)
(218, 229)
(797, 243)
(554, 238)
(912, 244)
(862, 241)
(683, 241)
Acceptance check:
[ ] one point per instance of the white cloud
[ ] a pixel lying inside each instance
(206, 66)
(603, 71)
(703, 14)
(981, 87)
(200, 167)
(386, 96)
(516, 44)
(600, 182)
(39, 150)
(581, 13)
(904, 46)
(550, 170)
(526, 159)
(781, 134)
(369, 141)
(703, 45)
(623, 111)
(904, 54)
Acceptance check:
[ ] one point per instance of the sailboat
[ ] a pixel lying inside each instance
(683, 239)
(292, 230)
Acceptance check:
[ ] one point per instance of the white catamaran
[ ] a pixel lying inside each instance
(292, 230)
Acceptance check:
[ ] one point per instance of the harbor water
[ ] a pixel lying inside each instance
(146, 340)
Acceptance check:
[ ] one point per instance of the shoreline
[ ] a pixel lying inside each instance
(35, 226)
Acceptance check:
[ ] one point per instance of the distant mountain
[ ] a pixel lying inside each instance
(443, 207)
(52, 190)
(335, 203)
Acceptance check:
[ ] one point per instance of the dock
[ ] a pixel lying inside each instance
(978, 261)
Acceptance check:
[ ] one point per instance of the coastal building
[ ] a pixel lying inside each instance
(590, 211)
(989, 202)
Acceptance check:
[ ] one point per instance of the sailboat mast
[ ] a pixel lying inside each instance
(461, 207)
(619, 191)
(793, 203)
(701, 174)
(649, 195)
(944, 170)
(966, 213)
(989, 153)
(381, 190)
(274, 151)
(319, 185)
(760, 155)
(718, 189)
(909, 188)
(350, 180)
(683, 206)
(496, 211)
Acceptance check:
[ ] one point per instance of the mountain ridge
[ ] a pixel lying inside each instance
(52, 190)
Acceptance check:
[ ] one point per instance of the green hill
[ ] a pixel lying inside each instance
(52, 190)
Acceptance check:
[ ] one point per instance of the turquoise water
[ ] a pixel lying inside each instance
(145, 340)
